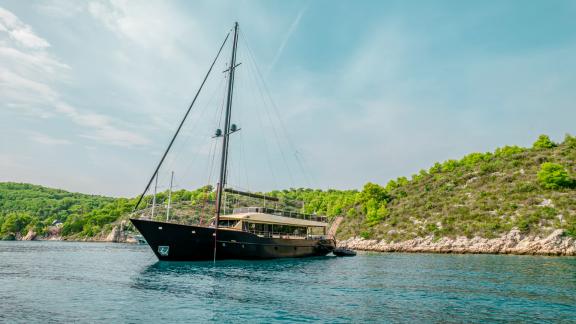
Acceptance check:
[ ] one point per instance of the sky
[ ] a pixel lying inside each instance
(330, 94)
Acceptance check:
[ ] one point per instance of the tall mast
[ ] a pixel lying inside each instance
(169, 197)
(225, 135)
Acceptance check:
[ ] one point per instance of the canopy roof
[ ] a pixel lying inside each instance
(273, 219)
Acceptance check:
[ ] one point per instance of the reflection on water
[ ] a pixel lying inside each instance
(91, 282)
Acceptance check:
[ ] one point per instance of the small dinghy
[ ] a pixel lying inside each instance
(341, 252)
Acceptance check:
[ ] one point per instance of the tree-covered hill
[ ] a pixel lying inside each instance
(482, 194)
(26, 206)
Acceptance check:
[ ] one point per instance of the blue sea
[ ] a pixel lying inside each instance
(55, 282)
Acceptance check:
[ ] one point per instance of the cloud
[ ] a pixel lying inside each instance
(19, 31)
(291, 30)
(60, 8)
(29, 76)
(153, 24)
(103, 128)
(48, 140)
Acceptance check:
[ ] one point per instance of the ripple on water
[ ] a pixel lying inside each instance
(99, 282)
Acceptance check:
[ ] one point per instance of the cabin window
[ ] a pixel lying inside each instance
(227, 223)
(275, 230)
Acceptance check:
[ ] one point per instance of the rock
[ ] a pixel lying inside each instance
(131, 239)
(513, 242)
(115, 235)
(30, 236)
(546, 203)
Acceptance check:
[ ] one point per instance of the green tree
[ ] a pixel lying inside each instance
(554, 176)
(570, 141)
(15, 223)
(510, 150)
(374, 192)
(543, 142)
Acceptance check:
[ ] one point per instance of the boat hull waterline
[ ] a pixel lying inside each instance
(178, 242)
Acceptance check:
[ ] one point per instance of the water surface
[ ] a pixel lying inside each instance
(113, 283)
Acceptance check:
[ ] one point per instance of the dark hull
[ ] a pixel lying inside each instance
(176, 242)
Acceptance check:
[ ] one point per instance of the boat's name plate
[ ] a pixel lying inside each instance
(163, 250)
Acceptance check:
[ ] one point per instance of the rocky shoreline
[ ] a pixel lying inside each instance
(513, 242)
(117, 235)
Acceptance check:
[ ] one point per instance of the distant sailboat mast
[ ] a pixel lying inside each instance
(154, 197)
(169, 197)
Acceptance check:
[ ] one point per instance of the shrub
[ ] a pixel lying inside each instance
(488, 168)
(571, 230)
(508, 151)
(570, 141)
(449, 165)
(554, 176)
(375, 212)
(374, 192)
(365, 235)
(436, 168)
(543, 142)
(402, 181)
(472, 159)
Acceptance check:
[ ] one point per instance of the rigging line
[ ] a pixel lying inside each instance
(182, 122)
(211, 170)
(191, 135)
(175, 158)
(260, 86)
(240, 170)
(211, 162)
(243, 159)
(218, 113)
(266, 144)
(194, 157)
(301, 163)
(280, 147)
(244, 165)
(272, 102)
(277, 137)
(265, 86)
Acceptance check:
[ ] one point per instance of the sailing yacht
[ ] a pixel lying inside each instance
(257, 232)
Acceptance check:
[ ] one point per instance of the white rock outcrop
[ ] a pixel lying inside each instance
(513, 242)
(30, 236)
(116, 235)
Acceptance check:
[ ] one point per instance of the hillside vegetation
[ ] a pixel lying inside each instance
(482, 194)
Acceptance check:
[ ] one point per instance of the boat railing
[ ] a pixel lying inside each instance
(269, 234)
(280, 212)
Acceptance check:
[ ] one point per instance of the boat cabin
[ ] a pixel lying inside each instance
(272, 223)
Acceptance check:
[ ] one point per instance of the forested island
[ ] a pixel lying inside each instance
(512, 200)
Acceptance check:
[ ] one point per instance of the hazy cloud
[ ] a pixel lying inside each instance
(48, 140)
(286, 38)
(19, 31)
(28, 77)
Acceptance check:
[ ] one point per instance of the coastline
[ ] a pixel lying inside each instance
(514, 242)
(117, 235)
